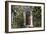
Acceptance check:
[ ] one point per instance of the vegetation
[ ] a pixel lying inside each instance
(18, 21)
(36, 16)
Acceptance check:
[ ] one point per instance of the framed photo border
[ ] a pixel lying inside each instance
(6, 16)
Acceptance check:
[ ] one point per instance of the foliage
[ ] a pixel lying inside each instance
(36, 16)
(18, 21)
